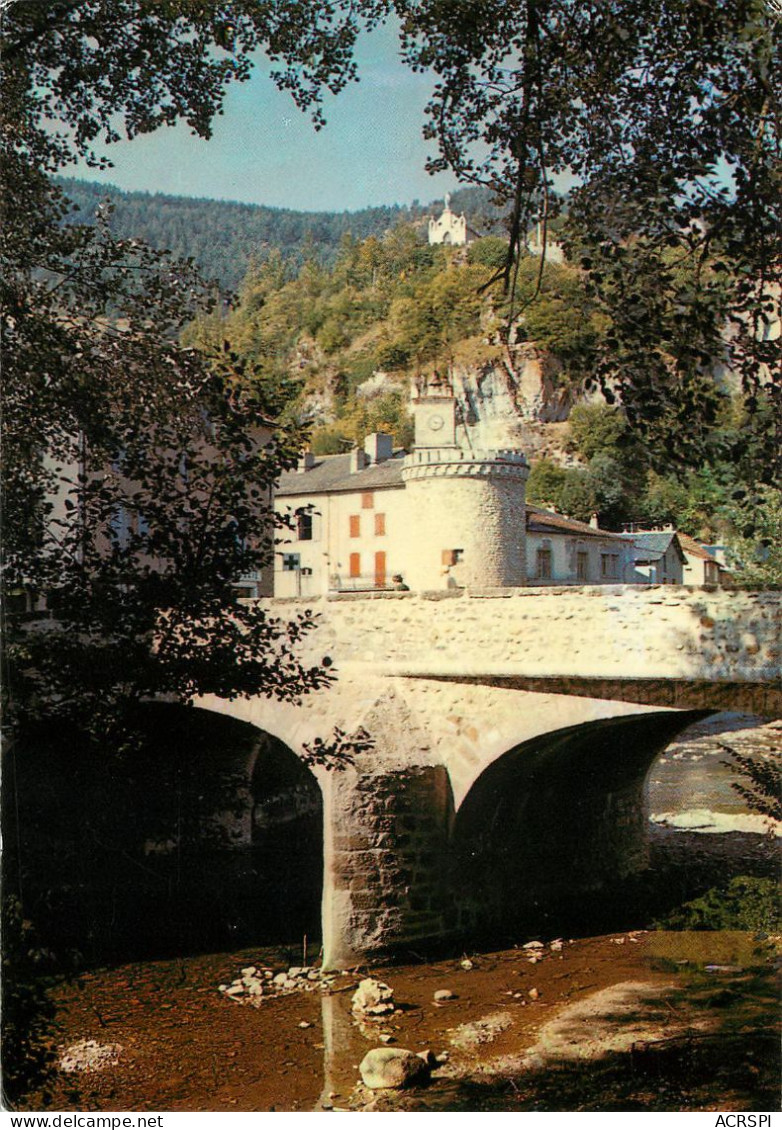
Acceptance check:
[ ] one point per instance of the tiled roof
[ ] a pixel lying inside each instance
(331, 473)
(694, 549)
(546, 521)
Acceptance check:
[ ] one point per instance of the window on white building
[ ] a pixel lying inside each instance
(609, 565)
(304, 525)
(543, 571)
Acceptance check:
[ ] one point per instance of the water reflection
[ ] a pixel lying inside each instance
(346, 1040)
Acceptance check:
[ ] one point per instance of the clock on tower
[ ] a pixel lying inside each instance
(435, 419)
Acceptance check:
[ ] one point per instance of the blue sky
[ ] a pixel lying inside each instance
(265, 151)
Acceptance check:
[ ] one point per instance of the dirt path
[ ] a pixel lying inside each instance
(178, 1043)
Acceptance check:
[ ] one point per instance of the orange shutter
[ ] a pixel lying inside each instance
(355, 564)
(380, 524)
(355, 525)
(367, 500)
(380, 570)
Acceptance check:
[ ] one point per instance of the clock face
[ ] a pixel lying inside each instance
(435, 423)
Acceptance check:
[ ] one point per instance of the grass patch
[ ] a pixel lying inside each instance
(747, 903)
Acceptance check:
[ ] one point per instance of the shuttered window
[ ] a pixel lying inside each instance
(544, 565)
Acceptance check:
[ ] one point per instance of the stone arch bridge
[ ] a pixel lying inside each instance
(513, 730)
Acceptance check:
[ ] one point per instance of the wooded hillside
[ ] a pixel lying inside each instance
(343, 343)
(223, 237)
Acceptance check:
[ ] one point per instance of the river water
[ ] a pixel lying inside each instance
(689, 784)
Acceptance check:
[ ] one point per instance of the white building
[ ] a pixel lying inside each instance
(450, 228)
(443, 516)
(348, 516)
(701, 566)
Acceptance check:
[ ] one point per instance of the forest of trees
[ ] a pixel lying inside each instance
(224, 237)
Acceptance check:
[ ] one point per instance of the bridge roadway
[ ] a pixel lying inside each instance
(513, 733)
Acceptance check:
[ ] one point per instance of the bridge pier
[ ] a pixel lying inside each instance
(385, 861)
(560, 819)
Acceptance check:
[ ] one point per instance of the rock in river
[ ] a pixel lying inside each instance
(393, 1067)
(373, 998)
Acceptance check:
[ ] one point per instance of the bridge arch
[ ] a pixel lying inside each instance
(558, 819)
(255, 837)
(181, 844)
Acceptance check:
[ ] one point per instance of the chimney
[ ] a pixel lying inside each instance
(593, 522)
(358, 460)
(306, 462)
(378, 447)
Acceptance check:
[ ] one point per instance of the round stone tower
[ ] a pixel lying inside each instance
(466, 507)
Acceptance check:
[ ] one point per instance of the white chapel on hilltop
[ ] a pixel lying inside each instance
(449, 228)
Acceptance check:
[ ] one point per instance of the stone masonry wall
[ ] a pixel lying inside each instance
(611, 631)
(480, 516)
(387, 861)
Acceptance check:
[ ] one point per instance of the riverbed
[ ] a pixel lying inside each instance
(531, 1027)
(162, 1035)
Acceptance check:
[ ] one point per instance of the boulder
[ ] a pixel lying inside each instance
(444, 995)
(393, 1067)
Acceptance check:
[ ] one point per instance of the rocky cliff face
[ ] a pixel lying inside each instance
(515, 401)
(511, 401)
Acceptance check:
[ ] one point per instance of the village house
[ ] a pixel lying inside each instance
(443, 516)
(563, 551)
(659, 558)
(701, 565)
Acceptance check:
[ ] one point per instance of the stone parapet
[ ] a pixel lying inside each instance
(455, 462)
(612, 632)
